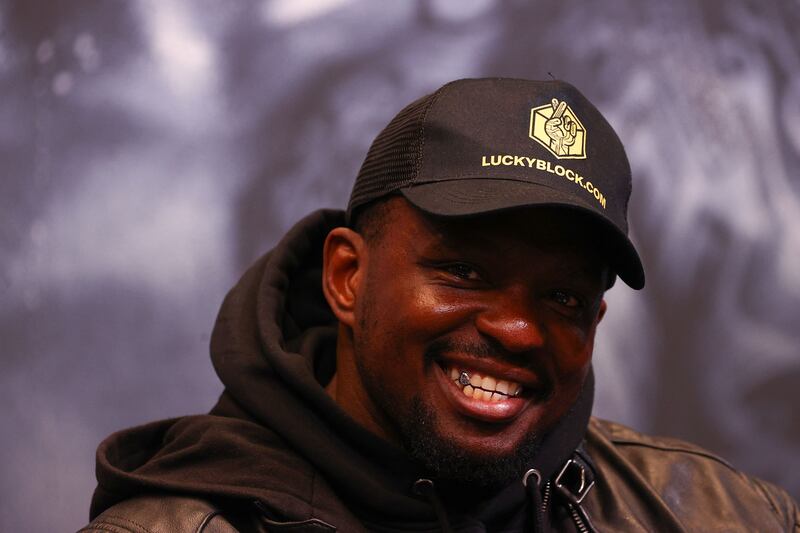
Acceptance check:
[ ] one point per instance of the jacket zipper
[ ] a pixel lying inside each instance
(548, 488)
(581, 519)
(576, 517)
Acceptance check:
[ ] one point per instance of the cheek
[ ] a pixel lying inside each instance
(421, 310)
(435, 309)
(398, 317)
(573, 346)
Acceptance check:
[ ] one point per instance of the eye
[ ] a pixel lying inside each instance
(462, 271)
(566, 299)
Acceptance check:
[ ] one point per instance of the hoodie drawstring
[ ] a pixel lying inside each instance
(532, 481)
(424, 487)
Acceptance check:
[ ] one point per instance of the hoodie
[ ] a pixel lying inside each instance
(276, 438)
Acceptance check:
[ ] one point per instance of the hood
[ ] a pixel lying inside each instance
(275, 435)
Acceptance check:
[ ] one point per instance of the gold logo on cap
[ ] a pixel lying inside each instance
(556, 127)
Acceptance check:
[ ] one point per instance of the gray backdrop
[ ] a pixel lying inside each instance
(151, 150)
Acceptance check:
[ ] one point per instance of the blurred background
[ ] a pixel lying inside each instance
(151, 150)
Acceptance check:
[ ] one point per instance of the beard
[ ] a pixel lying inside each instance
(447, 462)
(440, 455)
(442, 458)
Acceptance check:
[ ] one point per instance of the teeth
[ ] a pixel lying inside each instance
(485, 388)
(502, 386)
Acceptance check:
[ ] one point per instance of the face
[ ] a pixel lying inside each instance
(471, 337)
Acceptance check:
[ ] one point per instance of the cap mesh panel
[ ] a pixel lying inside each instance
(393, 159)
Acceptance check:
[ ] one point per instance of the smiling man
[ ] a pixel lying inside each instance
(422, 361)
(465, 340)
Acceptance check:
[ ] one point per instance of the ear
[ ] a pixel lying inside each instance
(343, 262)
(601, 312)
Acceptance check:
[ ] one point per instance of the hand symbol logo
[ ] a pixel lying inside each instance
(561, 129)
(556, 127)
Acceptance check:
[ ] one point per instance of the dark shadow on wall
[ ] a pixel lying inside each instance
(766, 403)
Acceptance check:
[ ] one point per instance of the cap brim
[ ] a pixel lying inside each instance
(475, 196)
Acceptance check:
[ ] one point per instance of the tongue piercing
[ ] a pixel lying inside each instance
(463, 378)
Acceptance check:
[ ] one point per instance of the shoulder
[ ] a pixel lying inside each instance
(160, 513)
(681, 482)
(632, 441)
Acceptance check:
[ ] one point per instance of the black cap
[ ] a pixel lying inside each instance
(481, 145)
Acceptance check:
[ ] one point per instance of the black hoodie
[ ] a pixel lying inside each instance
(275, 437)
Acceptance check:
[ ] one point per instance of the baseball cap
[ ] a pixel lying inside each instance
(482, 145)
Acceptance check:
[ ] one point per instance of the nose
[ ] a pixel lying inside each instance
(511, 321)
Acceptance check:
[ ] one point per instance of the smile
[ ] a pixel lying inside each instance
(483, 387)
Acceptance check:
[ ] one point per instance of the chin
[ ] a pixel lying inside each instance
(474, 461)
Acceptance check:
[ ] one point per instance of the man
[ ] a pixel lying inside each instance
(422, 362)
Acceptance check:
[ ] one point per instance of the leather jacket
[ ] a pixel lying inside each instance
(640, 483)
